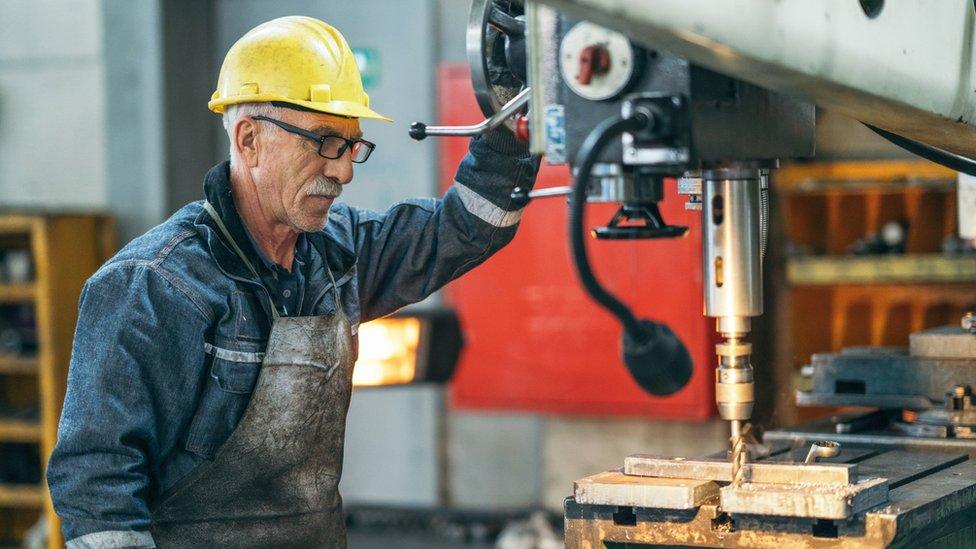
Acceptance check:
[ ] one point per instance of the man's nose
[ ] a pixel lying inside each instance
(340, 168)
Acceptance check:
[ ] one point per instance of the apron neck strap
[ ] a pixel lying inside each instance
(237, 249)
(335, 288)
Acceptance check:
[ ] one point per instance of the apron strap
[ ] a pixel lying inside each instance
(233, 244)
(335, 289)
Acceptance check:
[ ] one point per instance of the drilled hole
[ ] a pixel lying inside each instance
(723, 523)
(625, 516)
(824, 529)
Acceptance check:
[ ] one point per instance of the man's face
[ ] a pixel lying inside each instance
(293, 181)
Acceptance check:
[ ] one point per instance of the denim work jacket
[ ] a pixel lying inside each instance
(171, 331)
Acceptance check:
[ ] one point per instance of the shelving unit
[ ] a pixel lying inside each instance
(65, 249)
(886, 269)
(30, 497)
(826, 298)
(18, 365)
(17, 293)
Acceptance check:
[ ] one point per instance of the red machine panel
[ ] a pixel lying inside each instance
(534, 341)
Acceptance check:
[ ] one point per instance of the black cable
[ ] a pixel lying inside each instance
(589, 153)
(654, 355)
(933, 154)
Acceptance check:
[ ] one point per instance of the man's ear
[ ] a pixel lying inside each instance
(246, 141)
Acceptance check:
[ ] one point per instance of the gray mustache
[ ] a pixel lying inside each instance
(325, 186)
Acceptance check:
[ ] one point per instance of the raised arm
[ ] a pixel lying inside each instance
(417, 246)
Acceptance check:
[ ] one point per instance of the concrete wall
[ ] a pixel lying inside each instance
(52, 101)
(133, 115)
(79, 108)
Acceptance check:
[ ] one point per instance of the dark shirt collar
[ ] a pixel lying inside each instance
(218, 190)
(311, 248)
(266, 261)
(216, 187)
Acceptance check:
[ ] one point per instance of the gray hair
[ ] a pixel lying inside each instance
(232, 113)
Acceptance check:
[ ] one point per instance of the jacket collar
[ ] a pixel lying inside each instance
(217, 189)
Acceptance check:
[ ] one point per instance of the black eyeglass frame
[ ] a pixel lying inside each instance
(320, 139)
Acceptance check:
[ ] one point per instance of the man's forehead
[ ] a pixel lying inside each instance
(324, 123)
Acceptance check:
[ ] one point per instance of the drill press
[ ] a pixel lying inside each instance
(629, 118)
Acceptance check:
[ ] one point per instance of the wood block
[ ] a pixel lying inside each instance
(616, 488)
(804, 500)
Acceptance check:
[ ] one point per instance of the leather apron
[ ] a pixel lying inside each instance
(274, 482)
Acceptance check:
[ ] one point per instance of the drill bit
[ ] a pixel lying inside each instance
(740, 449)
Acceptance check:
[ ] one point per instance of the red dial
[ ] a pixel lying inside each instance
(593, 60)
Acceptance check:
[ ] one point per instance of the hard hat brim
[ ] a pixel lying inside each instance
(338, 108)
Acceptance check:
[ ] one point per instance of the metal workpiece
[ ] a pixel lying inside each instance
(817, 501)
(882, 498)
(760, 472)
(618, 488)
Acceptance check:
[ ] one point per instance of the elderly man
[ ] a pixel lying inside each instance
(212, 363)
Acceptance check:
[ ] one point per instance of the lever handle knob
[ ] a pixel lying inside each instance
(418, 131)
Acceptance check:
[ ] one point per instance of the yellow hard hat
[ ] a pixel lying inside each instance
(296, 60)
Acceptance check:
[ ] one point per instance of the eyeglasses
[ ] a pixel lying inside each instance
(330, 146)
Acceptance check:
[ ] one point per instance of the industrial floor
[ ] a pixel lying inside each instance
(376, 528)
(384, 540)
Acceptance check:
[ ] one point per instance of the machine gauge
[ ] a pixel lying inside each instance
(595, 62)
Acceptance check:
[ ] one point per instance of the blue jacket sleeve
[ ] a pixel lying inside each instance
(417, 246)
(135, 370)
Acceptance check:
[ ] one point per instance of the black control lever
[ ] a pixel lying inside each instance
(522, 195)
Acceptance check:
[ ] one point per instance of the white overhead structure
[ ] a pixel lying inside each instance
(906, 66)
